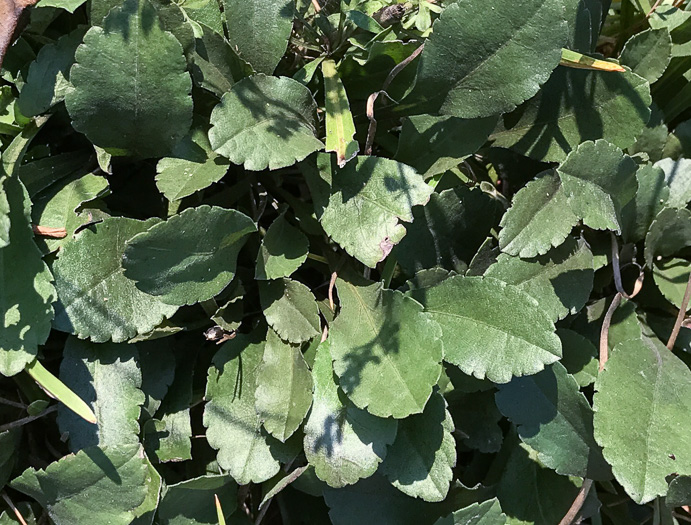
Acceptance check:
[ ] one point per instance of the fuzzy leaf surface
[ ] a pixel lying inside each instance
(290, 309)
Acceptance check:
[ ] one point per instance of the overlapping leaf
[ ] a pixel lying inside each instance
(190, 257)
(490, 329)
(284, 248)
(290, 309)
(95, 299)
(375, 344)
(153, 109)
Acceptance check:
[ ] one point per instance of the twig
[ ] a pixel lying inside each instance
(315, 4)
(652, 9)
(332, 283)
(28, 419)
(575, 508)
(47, 231)
(12, 403)
(372, 130)
(680, 316)
(14, 509)
(604, 332)
(617, 273)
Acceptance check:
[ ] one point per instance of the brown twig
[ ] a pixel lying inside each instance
(12, 403)
(604, 332)
(14, 509)
(47, 231)
(28, 419)
(680, 316)
(372, 130)
(575, 508)
(617, 273)
(315, 4)
(332, 283)
(10, 11)
(652, 9)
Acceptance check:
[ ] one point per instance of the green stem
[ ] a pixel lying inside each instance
(388, 270)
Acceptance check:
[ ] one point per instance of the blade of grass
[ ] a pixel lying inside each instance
(58, 390)
(576, 60)
(340, 128)
(219, 511)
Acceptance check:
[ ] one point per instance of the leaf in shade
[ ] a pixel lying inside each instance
(153, 109)
(477, 419)
(283, 250)
(95, 299)
(485, 513)
(265, 122)
(190, 257)
(26, 300)
(580, 356)
(233, 426)
(433, 145)
(260, 30)
(576, 105)
(342, 442)
(539, 218)
(651, 197)
(290, 309)
(671, 277)
(669, 233)
(489, 328)
(95, 485)
(460, 216)
(284, 388)
(360, 206)
(560, 280)
(108, 378)
(48, 77)
(473, 47)
(599, 181)
(375, 344)
(340, 130)
(419, 462)
(641, 403)
(648, 53)
(190, 502)
(59, 206)
(555, 419)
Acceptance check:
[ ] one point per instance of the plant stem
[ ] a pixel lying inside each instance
(28, 419)
(388, 271)
(680, 316)
(604, 332)
(570, 516)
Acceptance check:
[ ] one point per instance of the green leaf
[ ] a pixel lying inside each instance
(648, 53)
(479, 62)
(599, 181)
(153, 109)
(678, 178)
(375, 343)
(375, 500)
(284, 388)
(342, 442)
(531, 494)
(194, 167)
(59, 206)
(98, 485)
(95, 299)
(477, 418)
(68, 5)
(491, 329)
(419, 463)
(107, 377)
(360, 205)
(668, 234)
(340, 129)
(290, 309)
(462, 217)
(233, 426)
(433, 145)
(555, 419)
(191, 502)
(580, 356)
(259, 30)
(10, 441)
(576, 105)
(651, 197)
(283, 250)
(48, 77)
(157, 364)
(190, 257)
(485, 513)
(27, 291)
(671, 277)
(561, 280)
(642, 402)
(265, 122)
(679, 492)
(539, 218)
